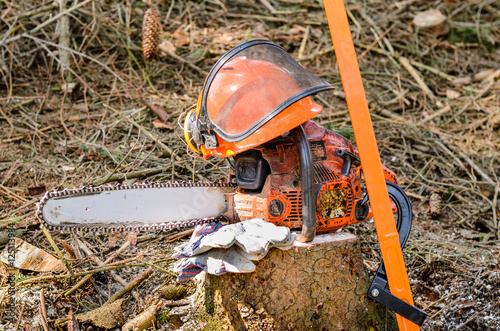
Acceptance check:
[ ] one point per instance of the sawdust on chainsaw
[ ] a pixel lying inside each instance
(86, 113)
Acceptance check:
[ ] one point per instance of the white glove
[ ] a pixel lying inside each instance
(254, 237)
(218, 261)
(211, 248)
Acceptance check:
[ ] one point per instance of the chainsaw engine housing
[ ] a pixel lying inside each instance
(269, 181)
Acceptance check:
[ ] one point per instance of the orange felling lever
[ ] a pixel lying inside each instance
(370, 160)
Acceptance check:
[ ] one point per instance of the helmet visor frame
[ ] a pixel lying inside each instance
(265, 81)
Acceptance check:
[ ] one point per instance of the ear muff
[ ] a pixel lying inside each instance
(192, 134)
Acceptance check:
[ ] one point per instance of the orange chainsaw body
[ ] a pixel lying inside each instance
(279, 200)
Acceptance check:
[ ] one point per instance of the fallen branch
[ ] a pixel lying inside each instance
(119, 279)
(416, 75)
(87, 277)
(145, 319)
(44, 24)
(136, 281)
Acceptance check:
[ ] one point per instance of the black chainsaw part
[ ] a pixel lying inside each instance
(251, 170)
(349, 158)
(378, 289)
(307, 184)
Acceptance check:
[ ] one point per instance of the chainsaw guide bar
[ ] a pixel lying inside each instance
(138, 207)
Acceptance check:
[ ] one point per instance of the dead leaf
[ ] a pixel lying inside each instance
(181, 38)
(224, 39)
(68, 87)
(167, 46)
(108, 316)
(69, 249)
(431, 21)
(36, 190)
(29, 257)
(132, 237)
(4, 274)
(452, 94)
(160, 124)
(113, 238)
(158, 110)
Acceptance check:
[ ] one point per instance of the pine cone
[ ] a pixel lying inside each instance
(150, 33)
(435, 204)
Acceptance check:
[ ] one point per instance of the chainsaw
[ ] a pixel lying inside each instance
(255, 110)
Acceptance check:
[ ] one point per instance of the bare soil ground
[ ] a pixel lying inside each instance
(83, 113)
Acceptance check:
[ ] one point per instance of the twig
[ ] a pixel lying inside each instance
(319, 53)
(58, 252)
(83, 273)
(477, 313)
(72, 321)
(376, 41)
(64, 40)
(20, 317)
(414, 73)
(119, 279)
(440, 112)
(476, 167)
(433, 70)
(304, 42)
(268, 6)
(177, 303)
(140, 127)
(180, 59)
(41, 41)
(180, 235)
(11, 140)
(87, 277)
(145, 319)
(11, 194)
(136, 281)
(44, 24)
(43, 311)
(130, 175)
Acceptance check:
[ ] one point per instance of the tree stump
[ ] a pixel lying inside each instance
(320, 285)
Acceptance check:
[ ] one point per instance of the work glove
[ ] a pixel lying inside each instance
(218, 249)
(254, 238)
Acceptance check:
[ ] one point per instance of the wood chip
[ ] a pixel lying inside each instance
(29, 257)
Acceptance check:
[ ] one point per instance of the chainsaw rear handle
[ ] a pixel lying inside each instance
(307, 185)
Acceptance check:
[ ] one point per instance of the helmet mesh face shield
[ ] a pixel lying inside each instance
(250, 85)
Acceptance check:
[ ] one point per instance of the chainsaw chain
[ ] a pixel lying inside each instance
(168, 226)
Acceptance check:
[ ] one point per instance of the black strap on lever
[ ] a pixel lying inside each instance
(378, 289)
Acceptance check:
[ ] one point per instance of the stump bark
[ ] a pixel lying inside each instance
(320, 285)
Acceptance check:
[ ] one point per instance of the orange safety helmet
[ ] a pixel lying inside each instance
(254, 93)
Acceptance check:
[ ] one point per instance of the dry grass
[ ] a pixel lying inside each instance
(80, 114)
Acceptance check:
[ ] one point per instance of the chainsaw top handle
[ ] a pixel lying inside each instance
(307, 184)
